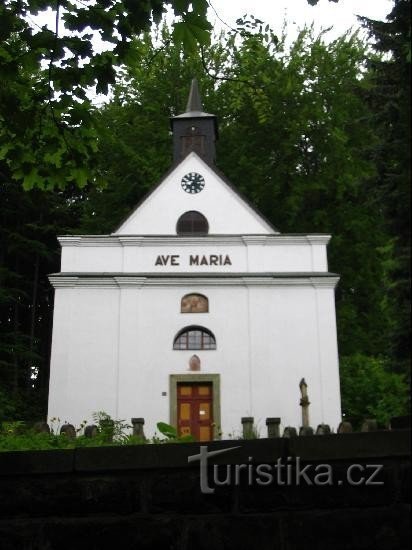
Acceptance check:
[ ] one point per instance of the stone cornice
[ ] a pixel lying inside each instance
(168, 240)
(115, 280)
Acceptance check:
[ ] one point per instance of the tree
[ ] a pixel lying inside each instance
(370, 390)
(135, 142)
(389, 100)
(307, 161)
(30, 221)
(297, 136)
(306, 164)
(50, 138)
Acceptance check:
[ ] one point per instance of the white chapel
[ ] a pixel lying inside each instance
(196, 311)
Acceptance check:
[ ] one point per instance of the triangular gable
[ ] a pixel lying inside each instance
(226, 210)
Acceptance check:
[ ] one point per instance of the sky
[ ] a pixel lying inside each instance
(341, 15)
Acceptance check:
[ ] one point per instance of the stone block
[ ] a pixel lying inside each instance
(273, 425)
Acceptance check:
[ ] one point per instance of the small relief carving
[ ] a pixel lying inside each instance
(194, 303)
(194, 363)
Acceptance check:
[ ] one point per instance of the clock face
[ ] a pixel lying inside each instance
(193, 182)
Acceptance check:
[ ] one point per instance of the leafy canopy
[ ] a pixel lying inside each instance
(370, 389)
(47, 131)
(47, 124)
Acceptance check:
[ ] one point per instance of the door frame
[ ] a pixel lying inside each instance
(214, 379)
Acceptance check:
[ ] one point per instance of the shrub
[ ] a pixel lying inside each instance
(370, 390)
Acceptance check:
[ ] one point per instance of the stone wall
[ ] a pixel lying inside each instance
(148, 497)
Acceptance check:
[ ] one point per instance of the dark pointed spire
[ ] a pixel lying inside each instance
(194, 130)
(194, 103)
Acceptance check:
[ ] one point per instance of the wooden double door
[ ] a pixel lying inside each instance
(195, 410)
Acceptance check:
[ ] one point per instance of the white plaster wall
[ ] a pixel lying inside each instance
(112, 351)
(60, 363)
(225, 211)
(112, 345)
(92, 258)
(328, 352)
(288, 345)
(83, 369)
(275, 256)
(147, 357)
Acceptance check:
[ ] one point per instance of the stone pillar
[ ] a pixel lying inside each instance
(68, 430)
(273, 425)
(304, 403)
(247, 425)
(91, 430)
(290, 431)
(306, 430)
(138, 424)
(41, 427)
(323, 429)
(345, 427)
(369, 425)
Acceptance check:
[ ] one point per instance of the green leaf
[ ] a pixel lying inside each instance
(189, 36)
(180, 6)
(32, 179)
(80, 176)
(184, 37)
(4, 149)
(166, 429)
(54, 157)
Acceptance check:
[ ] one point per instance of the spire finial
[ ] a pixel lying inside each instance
(194, 103)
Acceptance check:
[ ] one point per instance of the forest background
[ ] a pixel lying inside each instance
(316, 134)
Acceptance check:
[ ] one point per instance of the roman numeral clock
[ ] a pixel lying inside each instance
(193, 182)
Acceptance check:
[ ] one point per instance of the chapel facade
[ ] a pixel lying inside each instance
(195, 311)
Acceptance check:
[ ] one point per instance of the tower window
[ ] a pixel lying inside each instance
(193, 143)
(194, 338)
(193, 140)
(192, 223)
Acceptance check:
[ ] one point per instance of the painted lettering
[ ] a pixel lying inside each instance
(164, 260)
(194, 259)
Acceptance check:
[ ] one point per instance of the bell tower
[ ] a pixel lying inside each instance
(194, 130)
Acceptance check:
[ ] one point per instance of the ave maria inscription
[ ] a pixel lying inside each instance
(193, 259)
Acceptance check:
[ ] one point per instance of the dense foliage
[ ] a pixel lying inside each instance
(51, 136)
(18, 436)
(389, 101)
(315, 137)
(370, 389)
(47, 70)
